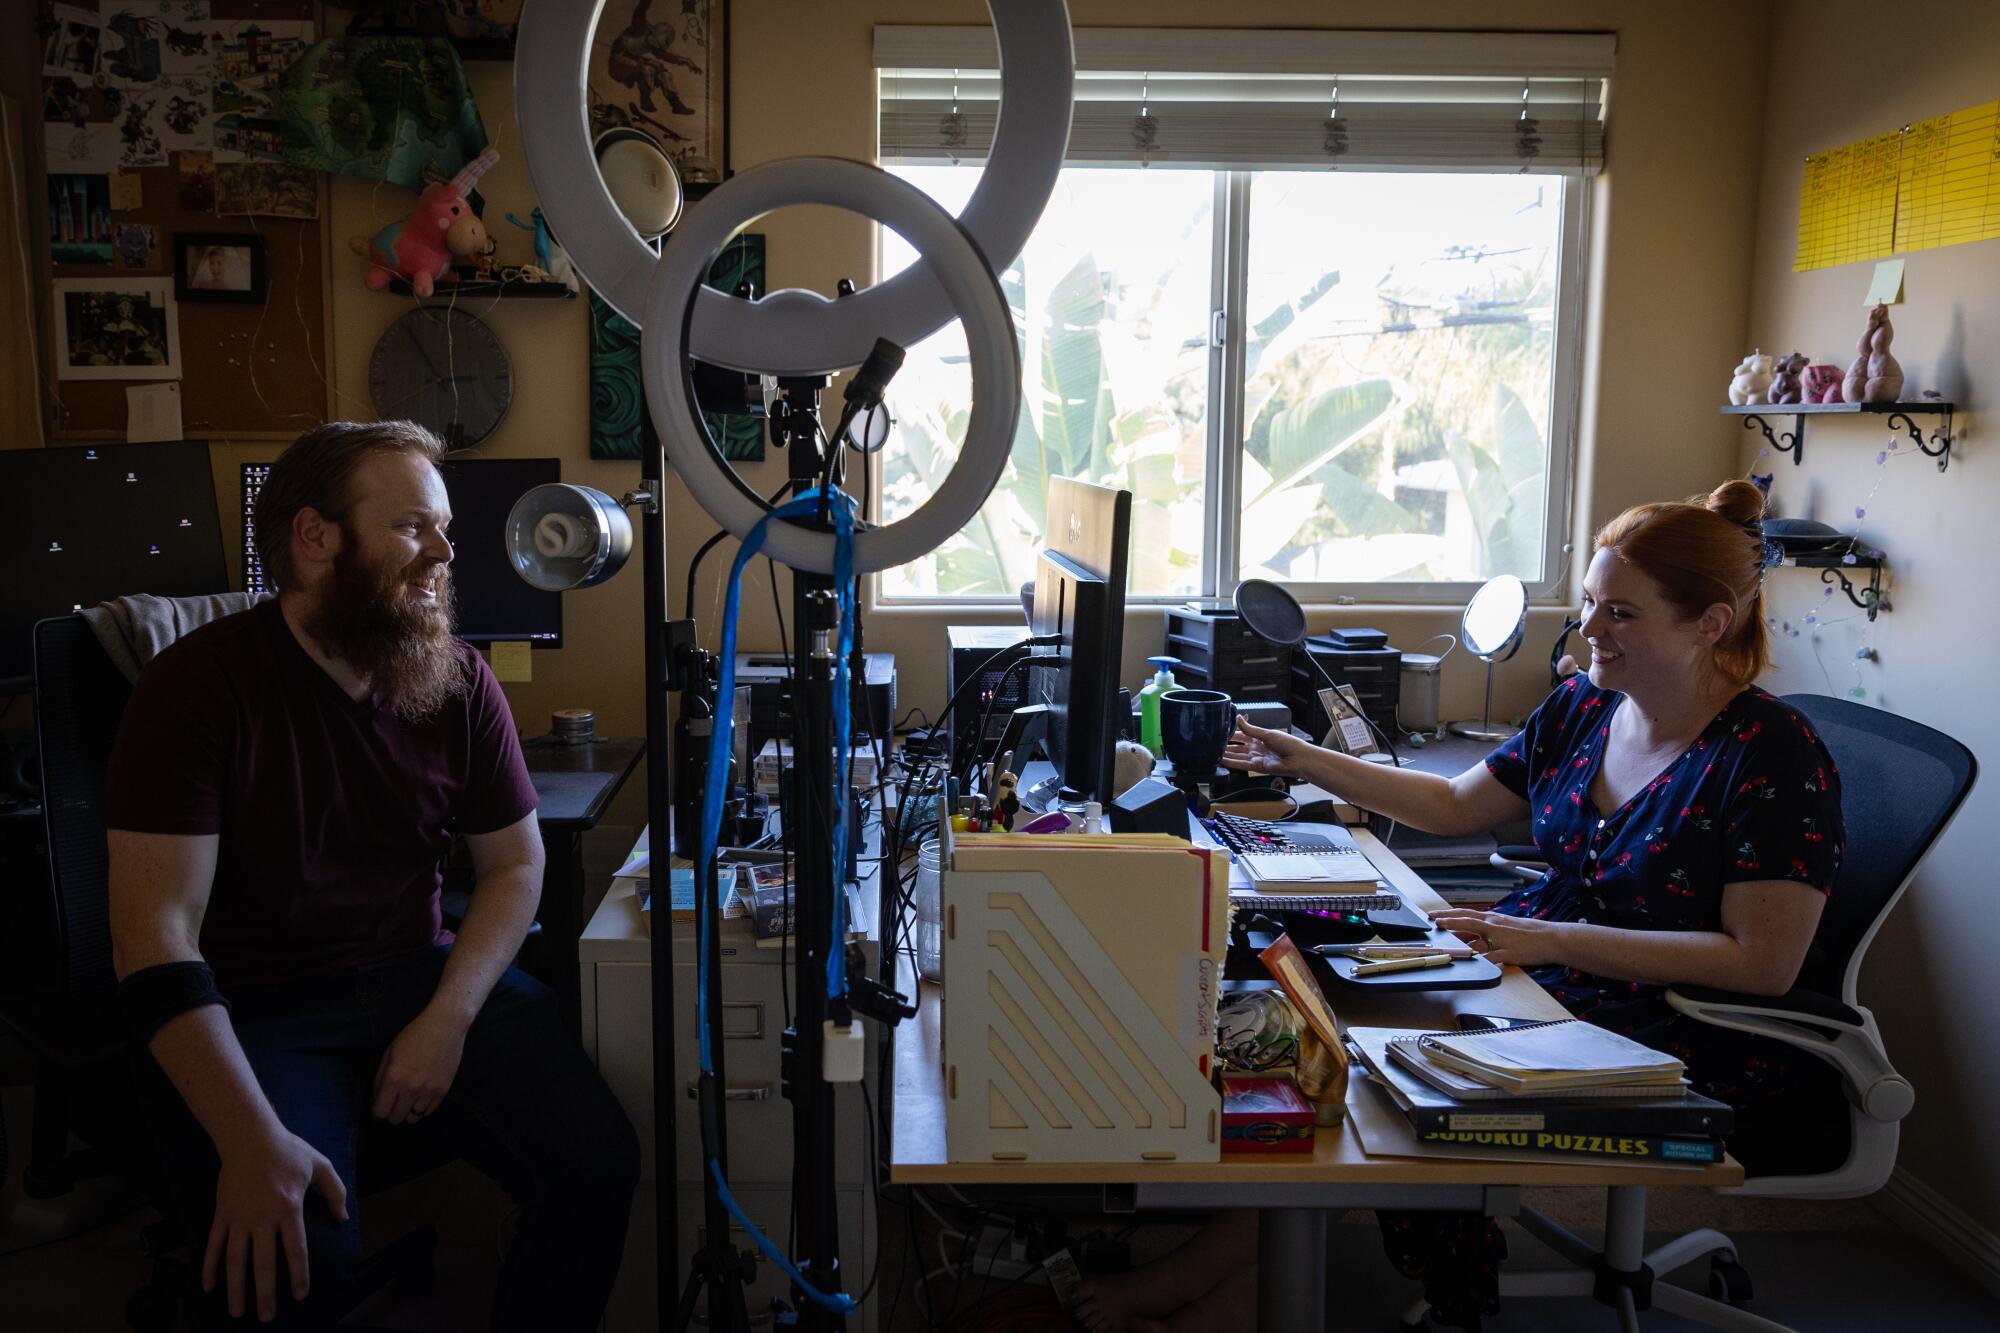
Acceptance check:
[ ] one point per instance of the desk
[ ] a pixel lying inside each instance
(1294, 1196)
(574, 784)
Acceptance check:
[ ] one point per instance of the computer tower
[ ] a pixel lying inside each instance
(971, 647)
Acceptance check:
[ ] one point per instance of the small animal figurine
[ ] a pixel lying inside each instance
(1875, 376)
(1753, 380)
(550, 257)
(1818, 382)
(440, 228)
(1785, 386)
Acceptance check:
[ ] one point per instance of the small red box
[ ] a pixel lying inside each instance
(1265, 1114)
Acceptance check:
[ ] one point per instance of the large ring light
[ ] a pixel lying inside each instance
(776, 335)
(964, 278)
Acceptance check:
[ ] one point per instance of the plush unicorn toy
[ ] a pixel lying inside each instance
(440, 228)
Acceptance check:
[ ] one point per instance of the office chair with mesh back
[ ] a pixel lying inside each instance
(83, 1081)
(1901, 785)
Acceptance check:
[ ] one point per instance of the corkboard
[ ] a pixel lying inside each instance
(247, 369)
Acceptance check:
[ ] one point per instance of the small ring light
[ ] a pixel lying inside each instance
(961, 273)
(641, 180)
(551, 69)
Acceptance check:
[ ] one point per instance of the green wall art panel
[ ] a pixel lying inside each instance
(619, 424)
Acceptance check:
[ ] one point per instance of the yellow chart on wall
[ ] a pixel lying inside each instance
(1930, 184)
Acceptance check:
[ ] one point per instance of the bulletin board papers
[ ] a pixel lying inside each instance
(1931, 184)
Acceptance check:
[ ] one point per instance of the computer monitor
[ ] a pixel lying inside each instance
(1080, 594)
(82, 524)
(493, 603)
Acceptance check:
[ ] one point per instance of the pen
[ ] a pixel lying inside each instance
(1403, 964)
(1379, 951)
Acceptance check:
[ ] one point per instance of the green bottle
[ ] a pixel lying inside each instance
(1149, 703)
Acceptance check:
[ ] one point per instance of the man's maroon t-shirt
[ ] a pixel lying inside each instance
(333, 813)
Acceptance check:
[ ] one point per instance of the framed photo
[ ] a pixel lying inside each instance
(218, 266)
(662, 70)
(117, 329)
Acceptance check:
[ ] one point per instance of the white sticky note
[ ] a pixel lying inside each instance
(1887, 288)
(513, 662)
(152, 413)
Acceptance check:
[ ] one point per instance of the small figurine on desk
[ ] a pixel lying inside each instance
(1753, 380)
(1875, 376)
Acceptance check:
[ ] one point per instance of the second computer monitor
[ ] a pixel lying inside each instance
(1080, 594)
(494, 605)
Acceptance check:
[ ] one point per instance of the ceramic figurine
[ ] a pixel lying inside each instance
(1818, 382)
(1875, 377)
(1785, 384)
(1753, 381)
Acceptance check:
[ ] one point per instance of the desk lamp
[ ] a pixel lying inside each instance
(799, 337)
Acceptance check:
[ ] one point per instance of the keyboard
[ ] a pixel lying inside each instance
(1242, 835)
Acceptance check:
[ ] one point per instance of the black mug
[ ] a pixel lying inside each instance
(1195, 726)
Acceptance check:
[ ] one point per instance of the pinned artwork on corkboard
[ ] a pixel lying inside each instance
(79, 218)
(619, 425)
(265, 189)
(138, 245)
(117, 329)
(659, 67)
(196, 174)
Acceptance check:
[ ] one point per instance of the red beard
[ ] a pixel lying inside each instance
(401, 642)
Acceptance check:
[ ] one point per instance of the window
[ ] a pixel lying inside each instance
(1360, 382)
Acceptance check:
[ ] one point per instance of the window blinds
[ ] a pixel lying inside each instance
(1235, 99)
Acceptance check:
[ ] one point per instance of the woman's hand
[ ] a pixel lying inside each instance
(1502, 939)
(1258, 750)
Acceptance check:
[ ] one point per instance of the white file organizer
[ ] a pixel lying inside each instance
(1079, 1008)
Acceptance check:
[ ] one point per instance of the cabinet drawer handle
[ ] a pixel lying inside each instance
(737, 1033)
(751, 1092)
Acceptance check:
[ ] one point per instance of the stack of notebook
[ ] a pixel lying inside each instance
(1562, 1087)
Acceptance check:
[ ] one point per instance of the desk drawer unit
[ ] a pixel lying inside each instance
(759, 1119)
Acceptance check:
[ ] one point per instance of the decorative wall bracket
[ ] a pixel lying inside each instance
(1791, 442)
(1834, 568)
(1939, 446)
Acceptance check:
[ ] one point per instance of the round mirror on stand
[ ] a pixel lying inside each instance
(1491, 629)
(1274, 615)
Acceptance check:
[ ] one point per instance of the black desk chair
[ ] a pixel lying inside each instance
(84, 1078)
(1901, 785)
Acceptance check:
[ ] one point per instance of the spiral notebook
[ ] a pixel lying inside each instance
(1563, 1057)
(1385, 900)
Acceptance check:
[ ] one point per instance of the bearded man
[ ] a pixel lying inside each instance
(284, 784)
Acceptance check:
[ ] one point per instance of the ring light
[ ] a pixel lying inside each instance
(963, 277)
(774, 335)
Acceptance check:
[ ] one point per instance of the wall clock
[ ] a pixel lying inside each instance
(445, 370)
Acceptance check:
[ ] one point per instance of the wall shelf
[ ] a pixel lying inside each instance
(1793, 442)
(510, 289)
(1833, 565)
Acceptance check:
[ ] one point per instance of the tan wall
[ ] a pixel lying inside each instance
(1930, 977)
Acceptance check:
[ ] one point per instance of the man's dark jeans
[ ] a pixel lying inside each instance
(526, 1107)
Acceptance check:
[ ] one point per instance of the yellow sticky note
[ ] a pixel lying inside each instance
(125, 191)
(1887, 289)
(513, 662)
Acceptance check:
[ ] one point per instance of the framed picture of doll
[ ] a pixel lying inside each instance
(211, 266)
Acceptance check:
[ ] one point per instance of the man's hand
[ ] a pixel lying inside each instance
(418, 1068)
(1258, 750)
(260, 1205)
(1503, 939)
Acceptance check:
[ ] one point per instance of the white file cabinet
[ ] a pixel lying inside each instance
(614, 954)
